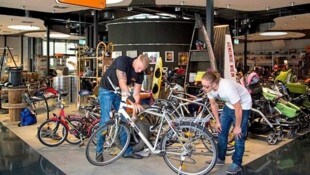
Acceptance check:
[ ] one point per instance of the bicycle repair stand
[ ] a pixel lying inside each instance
(6, 50)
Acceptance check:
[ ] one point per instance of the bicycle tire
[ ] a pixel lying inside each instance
(147, 122)
(95, 127)
(185, 148)
(137, 143)
(52, 133)
(74, 132)
(112, 150)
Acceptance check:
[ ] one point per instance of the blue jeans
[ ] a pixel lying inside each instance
(227, 118)
(108, 100)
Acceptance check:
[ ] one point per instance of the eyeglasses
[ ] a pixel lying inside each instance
(207, 87)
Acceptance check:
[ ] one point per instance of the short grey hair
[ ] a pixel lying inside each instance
(144, 58)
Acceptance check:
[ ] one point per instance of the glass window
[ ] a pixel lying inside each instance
(45, 48)
(70, 48)
(60, 47)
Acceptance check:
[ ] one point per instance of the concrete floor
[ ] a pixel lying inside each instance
(71, 158)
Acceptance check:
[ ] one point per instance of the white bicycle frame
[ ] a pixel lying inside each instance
(162, 115)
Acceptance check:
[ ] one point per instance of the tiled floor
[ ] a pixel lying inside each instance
(17, 157)
(70, 159)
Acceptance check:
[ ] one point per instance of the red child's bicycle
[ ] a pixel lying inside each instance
(71, 128)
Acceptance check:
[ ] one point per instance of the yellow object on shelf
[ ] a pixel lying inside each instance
(199, 75)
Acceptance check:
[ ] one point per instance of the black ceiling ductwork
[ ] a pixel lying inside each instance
(142, 2)
(107, 15)
(60, 28)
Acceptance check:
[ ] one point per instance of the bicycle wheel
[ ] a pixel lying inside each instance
(112, 151)
(52, 133)
(95, 127)
(75, 131)
(136, 142)
(186, 151)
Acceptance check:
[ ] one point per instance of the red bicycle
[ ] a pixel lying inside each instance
(71, 128)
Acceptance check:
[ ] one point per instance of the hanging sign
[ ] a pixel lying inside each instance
(97, 4)
(229, 65)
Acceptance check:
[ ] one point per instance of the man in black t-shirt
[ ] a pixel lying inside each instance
(123, 72)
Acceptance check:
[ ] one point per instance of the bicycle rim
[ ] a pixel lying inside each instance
(75, 131)
(52, 133)
(186, 150)
(112, 150)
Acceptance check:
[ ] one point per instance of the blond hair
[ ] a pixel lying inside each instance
(144, 59)
(212, 76)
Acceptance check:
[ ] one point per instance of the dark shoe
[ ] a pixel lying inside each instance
(233, 169)
(220, 162)
(133, 156)
(217, 162)
(99, 157)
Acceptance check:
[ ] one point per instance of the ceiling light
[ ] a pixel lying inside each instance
(228, 6)
(114, 1)
(292, 3)
(58, 35)
(268, 8)
(177, 9)
(23, 27)
(273, 33)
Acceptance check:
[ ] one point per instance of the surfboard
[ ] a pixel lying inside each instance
(157, 76)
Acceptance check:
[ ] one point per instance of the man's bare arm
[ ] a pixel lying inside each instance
(122, 80)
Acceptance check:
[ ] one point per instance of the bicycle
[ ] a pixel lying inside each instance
(71, 128)
(182, 145)
(178, 110)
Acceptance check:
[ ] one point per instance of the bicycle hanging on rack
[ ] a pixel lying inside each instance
(187, 148)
